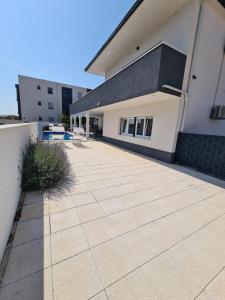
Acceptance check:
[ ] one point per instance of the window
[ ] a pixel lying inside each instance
(38, 87)
(136, 126)
(50, 105)
(140, 126)
(148, 126)
(39, 103)
(40, 118)
(51, 119)
(127, 126)
(79, 95)
(50, 90)
(144, 127)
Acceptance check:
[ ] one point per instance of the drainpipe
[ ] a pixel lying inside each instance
(186, 83)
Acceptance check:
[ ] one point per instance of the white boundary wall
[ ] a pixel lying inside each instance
(13, 138)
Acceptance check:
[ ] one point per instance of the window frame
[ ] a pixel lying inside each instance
(143, 135)
(50, 89)
(127, 125)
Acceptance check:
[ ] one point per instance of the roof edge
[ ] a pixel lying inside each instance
(124, 20)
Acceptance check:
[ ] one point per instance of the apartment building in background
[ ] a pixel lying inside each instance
(45, 101)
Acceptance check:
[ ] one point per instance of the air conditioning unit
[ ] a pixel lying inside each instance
(218, 112)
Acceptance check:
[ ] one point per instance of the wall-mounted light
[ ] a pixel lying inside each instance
(137, 48)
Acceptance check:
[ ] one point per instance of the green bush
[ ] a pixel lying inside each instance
(44, 166)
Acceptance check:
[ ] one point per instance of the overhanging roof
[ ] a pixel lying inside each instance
(130, 31)
(127, 16)
(143, 18)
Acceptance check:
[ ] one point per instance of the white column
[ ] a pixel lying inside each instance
(80, 125)
(87, 126)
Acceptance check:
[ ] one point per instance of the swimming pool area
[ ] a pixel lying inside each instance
(52, 135)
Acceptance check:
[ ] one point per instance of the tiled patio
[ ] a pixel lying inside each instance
(129, 228)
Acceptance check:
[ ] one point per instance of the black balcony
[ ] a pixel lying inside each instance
(163, 65)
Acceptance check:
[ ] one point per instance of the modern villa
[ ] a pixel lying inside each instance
(164, 69)
(43, 100)
(83, 218)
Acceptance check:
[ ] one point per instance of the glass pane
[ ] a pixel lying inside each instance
(124, 125)
(140, 126)
(148, 127)
(131, 126)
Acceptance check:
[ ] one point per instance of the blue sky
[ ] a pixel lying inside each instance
(53, 39)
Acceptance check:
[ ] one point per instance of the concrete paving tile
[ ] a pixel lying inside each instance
(130, 219)
(34, 211)
(205, 296)
(37, 286)
(76, 278)
(100, 231)
(27, 259)
(113, 260)
(101, 296)
(129, 287)
(216, 289)
(163, 278)
(142, 245)
(31, 229)
(67, 243)
(90, 212)
(60, 204)
(64, 219)
(82, 199)
(103, 194)
(34, 197)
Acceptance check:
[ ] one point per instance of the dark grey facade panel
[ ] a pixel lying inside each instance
(171, 69)
(162, 65)
(205, 153)
(151, 152)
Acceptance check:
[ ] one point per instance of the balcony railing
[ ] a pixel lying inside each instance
(162, 66)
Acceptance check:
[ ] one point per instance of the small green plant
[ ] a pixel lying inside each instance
(44, 166)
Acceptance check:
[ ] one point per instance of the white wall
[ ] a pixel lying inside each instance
(30, 95)
(208, 56)
(176, 31)
(164, 130)
(13, 139)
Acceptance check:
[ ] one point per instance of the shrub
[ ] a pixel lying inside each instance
(44, 166)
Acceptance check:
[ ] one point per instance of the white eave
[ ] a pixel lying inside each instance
(138, 24)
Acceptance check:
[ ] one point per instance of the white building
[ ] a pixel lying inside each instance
(164, 67)
(44, 100)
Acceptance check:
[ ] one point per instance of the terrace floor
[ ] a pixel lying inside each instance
(129, 228)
